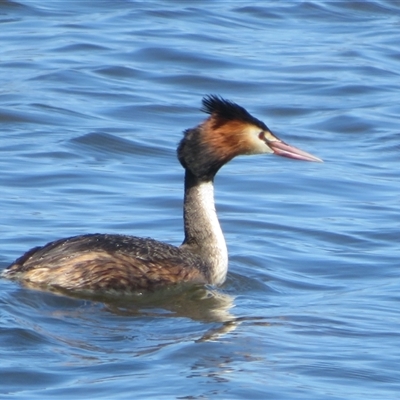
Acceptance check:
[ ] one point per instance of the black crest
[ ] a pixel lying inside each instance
(228, 111)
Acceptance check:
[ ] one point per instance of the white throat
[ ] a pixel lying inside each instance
(202, 229)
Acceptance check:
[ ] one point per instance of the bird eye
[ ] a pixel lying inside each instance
(261, 136)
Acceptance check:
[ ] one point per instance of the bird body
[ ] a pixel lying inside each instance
(102, 263)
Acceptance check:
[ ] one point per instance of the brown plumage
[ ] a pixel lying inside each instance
(101, 262)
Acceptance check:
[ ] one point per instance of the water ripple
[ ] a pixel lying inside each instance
(93, 101)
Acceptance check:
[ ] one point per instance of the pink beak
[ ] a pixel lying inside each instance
(282, 149)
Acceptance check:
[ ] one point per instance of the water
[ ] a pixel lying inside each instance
(93, 99)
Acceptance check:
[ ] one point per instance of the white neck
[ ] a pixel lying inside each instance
(203, 234)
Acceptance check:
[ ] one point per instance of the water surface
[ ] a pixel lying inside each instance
(94, 97)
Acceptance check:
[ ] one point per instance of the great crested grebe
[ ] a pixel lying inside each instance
(102, 263)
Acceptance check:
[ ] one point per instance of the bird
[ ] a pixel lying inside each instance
(115, 263)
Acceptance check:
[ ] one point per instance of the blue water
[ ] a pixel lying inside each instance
(94, 96)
